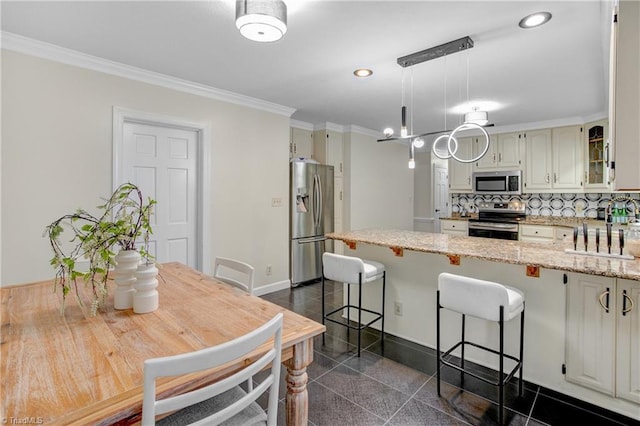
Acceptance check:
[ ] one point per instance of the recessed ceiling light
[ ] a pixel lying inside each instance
(362, 72)
(535, 20)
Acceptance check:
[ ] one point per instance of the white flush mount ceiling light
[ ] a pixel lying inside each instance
(362, 72)
(534, 20)
(480, 118)
(261, 20)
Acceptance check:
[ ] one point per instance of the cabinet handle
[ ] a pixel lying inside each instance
(605, 305)
(625, 297)
(295, 148)
(606, 155)
(586, 176)
(500, 157)
(494, 157)
(469, 180)
(555, 177)
(546, 178)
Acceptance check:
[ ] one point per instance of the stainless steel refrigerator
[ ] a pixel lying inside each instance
(311, 217)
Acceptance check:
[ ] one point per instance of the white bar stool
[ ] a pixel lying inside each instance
(485, 300)
(353, 270)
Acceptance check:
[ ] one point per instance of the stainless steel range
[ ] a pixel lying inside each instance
(498, 220)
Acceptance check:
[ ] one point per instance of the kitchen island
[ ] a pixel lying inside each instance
(571, 345)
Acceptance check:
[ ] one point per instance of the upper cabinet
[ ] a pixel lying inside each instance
(554, 160)
(538, 165)
(328, 148)
(625, 91)
(301, 143)
(504, 152)
(596, 157)
(566, 147)
(460, 173)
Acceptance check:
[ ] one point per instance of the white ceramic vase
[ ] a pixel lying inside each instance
(124, 273)
(145, 298)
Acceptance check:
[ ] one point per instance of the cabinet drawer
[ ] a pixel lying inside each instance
(454, 225)
(534, 231)
(564, 234)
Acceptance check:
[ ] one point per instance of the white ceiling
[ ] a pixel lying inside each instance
(557, 71)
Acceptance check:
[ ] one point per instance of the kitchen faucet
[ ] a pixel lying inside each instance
(608, 211)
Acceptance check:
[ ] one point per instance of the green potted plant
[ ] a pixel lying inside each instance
(125, 219)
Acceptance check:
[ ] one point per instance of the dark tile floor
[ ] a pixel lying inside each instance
(396, 385)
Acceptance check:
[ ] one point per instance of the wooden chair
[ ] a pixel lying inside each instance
(231, 271)
(223, 401)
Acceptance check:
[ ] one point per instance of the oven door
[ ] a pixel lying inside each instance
(502, 231)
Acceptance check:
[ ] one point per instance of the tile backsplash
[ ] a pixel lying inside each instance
(563, 205)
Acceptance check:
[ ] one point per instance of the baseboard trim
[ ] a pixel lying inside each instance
(271, 288)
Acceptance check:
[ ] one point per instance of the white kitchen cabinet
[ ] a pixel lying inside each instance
(590, 334)
(628, 339)
(454, 227)
(328, 148)
(564, 234)
(566, 147)
(603, 335)
(536, 233)
(554, 160)
(624, 113)
(504, 152)
(596, 157)
(460, 173)
(301, 143)
(538, 160)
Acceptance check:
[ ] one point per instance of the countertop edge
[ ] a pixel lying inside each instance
(592, 265)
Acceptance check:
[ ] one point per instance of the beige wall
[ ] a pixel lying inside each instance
(57, 156)
(380, 185)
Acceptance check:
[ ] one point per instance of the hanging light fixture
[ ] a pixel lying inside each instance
(403, 112)
(261, 20)
(481, 118)
(412, 161)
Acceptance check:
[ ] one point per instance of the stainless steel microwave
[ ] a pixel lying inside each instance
(501, 182)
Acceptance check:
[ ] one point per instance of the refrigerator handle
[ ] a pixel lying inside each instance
(315, 202)
(320, 203)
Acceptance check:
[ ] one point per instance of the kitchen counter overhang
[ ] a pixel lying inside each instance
(544, 255)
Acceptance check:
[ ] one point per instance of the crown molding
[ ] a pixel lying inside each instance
(364, 131)
(329, 126)
(300, 124)
(40, 49)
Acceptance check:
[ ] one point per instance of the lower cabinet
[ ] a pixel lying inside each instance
(536, 233)
(603, 335)
(454, 227)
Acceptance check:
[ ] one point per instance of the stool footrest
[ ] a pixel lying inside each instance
(457, 367)
(346, 324)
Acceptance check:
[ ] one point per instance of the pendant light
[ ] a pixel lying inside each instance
(261, 20)
(403, 112)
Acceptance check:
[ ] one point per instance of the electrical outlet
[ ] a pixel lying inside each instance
(276, 202)
(397, 308)
(268, 269)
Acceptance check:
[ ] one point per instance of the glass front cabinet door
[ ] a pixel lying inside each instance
(597, 156)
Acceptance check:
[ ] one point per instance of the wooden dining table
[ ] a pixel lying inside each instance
(72, 368)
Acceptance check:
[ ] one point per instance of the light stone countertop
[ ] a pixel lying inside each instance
(545, 255)
(568, 222)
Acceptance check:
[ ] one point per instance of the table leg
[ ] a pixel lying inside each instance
(297, 403)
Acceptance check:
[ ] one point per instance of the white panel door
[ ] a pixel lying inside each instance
(162, 162)
(440, 196)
